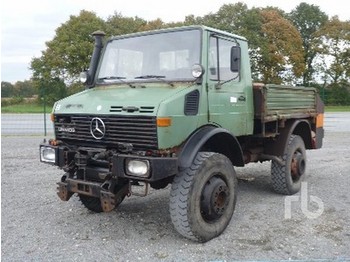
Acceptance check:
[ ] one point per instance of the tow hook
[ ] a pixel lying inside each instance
(108, 199)
(63, 193)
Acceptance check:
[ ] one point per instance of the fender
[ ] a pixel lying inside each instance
(299, 127)
(213, 139)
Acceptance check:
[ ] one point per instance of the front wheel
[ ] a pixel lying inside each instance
(94, 204)
(91, 203)
(203, 197)
(287, 176)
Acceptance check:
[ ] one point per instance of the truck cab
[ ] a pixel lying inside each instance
(175, 106)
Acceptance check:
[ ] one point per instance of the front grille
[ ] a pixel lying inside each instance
(140, 131)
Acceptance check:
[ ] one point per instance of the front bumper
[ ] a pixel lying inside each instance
(158, 167)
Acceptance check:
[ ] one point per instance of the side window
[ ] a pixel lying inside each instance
(219, 59)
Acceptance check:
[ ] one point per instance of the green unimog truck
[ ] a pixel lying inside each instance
(178, 106)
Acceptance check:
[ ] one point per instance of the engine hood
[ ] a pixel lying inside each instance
(121, 99)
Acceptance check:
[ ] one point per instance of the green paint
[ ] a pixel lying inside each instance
(227, 103)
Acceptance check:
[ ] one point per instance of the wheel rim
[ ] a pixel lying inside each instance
(298, 166)
(214, 199)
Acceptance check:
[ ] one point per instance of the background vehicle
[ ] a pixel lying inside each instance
(178, 106)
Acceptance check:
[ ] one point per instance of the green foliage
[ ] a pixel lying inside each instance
(308, 19)
(25, 88)
(338, 95)
(334, 94)
(275, 44)
(281, 50)
(70, 51)
(75, 88)
(19, 89)
(7, 89)
(334, 51)
(51, 90)
(11, 101)
(119, 25)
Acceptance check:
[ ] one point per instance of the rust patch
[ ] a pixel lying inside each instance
(63, 193)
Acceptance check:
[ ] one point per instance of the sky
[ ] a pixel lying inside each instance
(27, 24)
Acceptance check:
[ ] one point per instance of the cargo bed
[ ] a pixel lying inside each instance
(276, 102)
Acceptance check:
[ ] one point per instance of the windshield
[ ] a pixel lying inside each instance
(167, 56)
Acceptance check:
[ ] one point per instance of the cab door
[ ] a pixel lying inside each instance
(227, 96)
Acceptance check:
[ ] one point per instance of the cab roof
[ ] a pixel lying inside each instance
(182, 28)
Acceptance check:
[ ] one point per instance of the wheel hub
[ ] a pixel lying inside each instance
(215, 198)
(297, 166)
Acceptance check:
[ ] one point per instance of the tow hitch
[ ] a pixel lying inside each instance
(104, 191)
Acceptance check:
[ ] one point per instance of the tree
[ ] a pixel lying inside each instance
(231, 17)
(308, 19)
(275, 46)
(70, 51)
(119, 25)
(24, 88)
(66, 55)
(51, 90)
(334, 52)
(281, 53)
(7, 89)
(153, 25)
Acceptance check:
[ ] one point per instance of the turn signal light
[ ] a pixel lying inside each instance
(164, 122)
(319, 120)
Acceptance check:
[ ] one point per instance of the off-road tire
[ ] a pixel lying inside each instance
(94, 203)
(91, 203)
(283, 181)
(190, 191)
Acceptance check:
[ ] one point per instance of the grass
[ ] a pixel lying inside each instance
(25, 108)
(337, 109)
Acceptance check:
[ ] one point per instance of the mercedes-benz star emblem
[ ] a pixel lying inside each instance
(97, 128)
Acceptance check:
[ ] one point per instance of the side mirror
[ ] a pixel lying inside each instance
(235, 59)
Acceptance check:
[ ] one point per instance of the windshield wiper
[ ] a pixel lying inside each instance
(112, 78)
(158, 77)
(149, 77)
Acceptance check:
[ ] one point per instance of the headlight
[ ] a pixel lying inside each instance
(47, 154)
(137, 167)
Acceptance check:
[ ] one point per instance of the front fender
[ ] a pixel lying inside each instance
(212, 139)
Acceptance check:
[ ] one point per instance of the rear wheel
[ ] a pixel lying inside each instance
(287, 176)
(203, 197)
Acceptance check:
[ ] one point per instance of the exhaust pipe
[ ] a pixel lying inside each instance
(99, 35)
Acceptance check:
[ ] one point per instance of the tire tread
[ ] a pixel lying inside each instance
(179, 194)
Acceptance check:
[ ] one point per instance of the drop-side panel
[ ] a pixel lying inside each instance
(274, 102)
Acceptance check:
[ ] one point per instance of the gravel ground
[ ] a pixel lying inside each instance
(37, 226)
